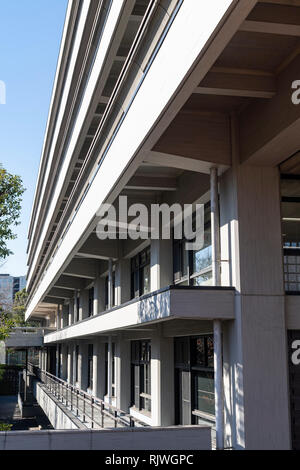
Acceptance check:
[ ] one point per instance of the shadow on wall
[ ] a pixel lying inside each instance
(154, 307)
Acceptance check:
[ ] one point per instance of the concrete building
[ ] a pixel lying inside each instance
(167, 101)
(9, 286)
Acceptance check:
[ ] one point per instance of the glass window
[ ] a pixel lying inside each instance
(194, 267)
(290, 211)
(140, 274)
(194, 362)
(204, 397)
(141, 375)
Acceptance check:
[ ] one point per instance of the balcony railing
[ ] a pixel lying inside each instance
(27, 337)
(91, 411)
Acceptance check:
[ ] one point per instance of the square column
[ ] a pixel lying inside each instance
(255, 351)
(70, 363)
(99, 295)
(83, 366)
(64, 361)
(123, 374)
(162, 381)
(99, 369)
(122, 281)
(71, 312)
(84, 304)
(74, 364)
(161, 264)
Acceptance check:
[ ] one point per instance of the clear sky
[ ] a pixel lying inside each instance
(30, 35)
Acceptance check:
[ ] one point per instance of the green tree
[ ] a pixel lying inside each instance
(11, 190)
(6, 324)
(19, 307)
(17, 313)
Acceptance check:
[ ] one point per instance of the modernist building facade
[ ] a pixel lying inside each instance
(9, 286)
(168, 101)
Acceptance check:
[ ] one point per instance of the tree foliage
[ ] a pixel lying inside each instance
(11, 190)
(6, 324)
(19, 307)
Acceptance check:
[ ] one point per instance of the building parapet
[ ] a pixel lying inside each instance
(172, 302)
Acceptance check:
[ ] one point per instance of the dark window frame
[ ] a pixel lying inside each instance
(138, 266)
(187, 346)
(141, 375)
(179, 253)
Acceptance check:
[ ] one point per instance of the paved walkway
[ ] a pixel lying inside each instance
(10, 414)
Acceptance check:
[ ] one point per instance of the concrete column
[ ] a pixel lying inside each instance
(75, 313)
(162, 381)
(255, 350)
(74, 362)
(43, 360)
(110, 283)
(161, 264)
(99, 295)
(40, 359)
(70, 363)
(123, 374)
(71, 312)
(109, 370)
(99, 369)
(57, 371)
(83, 366)
(84, 304)
(58, 317)
(216, 281)
(122, 280)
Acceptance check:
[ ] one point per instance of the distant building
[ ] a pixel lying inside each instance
(9, 286)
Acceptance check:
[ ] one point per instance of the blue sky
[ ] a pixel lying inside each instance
(30, 35)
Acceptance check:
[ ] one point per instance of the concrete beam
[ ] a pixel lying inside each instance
(53, 300)
(202, 136)
(71, 283)
(61, 293)
(269, 130)
(152, 183)
(231, 82)
(99, 249)
(182, 163)
(271, 28)
(82, 268)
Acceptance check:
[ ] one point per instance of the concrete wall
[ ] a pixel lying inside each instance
(174, 438)
(58, 416)
(255, 351)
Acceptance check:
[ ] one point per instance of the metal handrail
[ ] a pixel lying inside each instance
(86, 406)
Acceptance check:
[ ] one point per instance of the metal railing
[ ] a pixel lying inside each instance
(91, 411)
